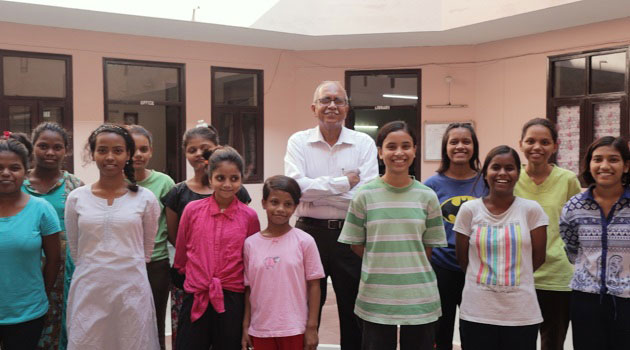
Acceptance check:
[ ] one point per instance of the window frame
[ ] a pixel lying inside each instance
(174, 149)
(66, 103)
(588, 101)
(237, 112)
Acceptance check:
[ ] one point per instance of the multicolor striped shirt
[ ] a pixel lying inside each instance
(395, 224)
(499, 287)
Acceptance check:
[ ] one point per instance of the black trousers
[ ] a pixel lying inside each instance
(216, 331)
(481, 336)
(344, 268)
(384, 337)
(21, 336)
(554, 306)
(160, 280)
(600, 322)
(450, 284)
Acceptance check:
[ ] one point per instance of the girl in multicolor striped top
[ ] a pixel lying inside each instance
(500, 242)
(393, 222)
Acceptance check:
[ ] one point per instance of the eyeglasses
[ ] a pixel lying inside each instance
(340, 102)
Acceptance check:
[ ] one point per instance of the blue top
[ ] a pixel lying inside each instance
(23, 296)
(592, 237)
(452, 193)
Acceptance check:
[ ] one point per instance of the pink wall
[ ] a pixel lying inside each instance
(503, 82)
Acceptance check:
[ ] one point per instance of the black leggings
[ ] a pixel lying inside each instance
(481, 336)
(216, 331)
(21, 336)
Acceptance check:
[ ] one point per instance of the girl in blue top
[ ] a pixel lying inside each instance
(28, 225)
(455, 183)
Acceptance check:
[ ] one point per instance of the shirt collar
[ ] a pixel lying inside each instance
(230, 211)
(344, 136)
(588, 194)
(29, 188)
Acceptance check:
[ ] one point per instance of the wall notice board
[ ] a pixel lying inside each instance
(433, 132)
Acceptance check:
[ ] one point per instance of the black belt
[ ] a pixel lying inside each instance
(336, 224)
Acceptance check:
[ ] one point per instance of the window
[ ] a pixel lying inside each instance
(237, 113)
(150, 94)
(380, 96)
(587, 98)
(35, 88)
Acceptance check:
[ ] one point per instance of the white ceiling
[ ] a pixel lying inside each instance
(322, 24)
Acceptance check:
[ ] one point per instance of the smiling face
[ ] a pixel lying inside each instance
(110, 154)
(330, 116)
(538, 145)
(279, 207)
(502, 174)
(49, 150)
(459, 147)
(12, 172)
(225, 181)
(397, 152)
(194, 151)
(143, 154)
(607, 167)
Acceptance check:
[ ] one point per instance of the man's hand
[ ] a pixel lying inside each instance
(353, 178)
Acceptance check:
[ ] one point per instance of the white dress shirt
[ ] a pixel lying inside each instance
(319, 170)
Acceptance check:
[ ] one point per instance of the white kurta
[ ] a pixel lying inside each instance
(110, 305)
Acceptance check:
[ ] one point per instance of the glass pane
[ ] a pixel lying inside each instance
(224, 123)
(606, 121)
(142, 83)
(569, 137)
(235, 89)
(384, 90)
(249, 144)
(20, 119)
(608, 73)
(153, 118)
(569, 77)
(52, 114)
(27, 76)
(370, 121)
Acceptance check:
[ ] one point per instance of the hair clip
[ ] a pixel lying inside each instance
(7, 134)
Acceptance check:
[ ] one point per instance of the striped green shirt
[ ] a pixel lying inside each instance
(398, 285)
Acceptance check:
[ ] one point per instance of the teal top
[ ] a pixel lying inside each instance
(160, 184)
(23, 296)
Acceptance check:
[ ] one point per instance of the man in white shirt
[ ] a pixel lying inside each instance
(330, 162)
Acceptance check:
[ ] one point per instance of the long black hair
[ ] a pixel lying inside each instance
(129, 143)
(445, 163)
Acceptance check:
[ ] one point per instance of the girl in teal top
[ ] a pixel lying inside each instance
(551, 187)
(28, 225)
(49, 181)
(160, 184)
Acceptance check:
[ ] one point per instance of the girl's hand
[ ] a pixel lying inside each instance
(311, 339)
(246, 342)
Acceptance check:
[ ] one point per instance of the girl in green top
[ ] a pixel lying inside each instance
(49, 181)
(551, 187)
(160, 184)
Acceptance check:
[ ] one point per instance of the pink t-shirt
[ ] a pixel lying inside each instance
(209, 250)
(276, 270)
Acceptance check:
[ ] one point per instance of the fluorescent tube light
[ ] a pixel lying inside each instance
(406, 97)
(370, 127)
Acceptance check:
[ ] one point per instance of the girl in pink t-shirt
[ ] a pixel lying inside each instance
(282, 276)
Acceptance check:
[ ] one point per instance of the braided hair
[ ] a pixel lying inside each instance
(129, 143)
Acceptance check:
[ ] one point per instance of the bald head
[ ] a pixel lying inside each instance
(326, 83)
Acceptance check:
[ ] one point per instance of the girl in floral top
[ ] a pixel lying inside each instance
(595, 226)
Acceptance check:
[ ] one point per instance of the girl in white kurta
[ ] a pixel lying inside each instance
(111, 228)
